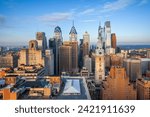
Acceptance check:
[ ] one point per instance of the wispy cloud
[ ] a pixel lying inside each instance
(116, 5)
(87, 11)
(55, 17)
(87, 21)
(142, 2)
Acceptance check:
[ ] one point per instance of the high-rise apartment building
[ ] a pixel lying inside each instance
(143, 88)
(65, 59)
(117, 86)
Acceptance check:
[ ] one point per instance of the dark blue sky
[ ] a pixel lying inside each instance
(21, 19)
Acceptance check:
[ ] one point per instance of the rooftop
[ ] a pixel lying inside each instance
(74, 87)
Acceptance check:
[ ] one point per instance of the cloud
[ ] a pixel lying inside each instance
(55, 17)
(87, 11)
(116, 5)
(142, 2)
(87, 21)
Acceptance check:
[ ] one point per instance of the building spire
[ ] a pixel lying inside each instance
(73, 23)
(99, 23)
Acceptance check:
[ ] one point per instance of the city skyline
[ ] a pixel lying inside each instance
(20, 20)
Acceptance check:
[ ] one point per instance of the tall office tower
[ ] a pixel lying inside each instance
(49, 62)
(65, 59)
(117, 86)
(42, 41)
(143, 88)
(113, 40)
(58, 33)
(88, 63)
(74, 44)
(99, 61)
(74, 54)
(73, 34)
(86, 44)
(80, 58)
(55, 43)
(107, 29)
(31, 56)
(133, 68)
(148, 53)
(107, 36)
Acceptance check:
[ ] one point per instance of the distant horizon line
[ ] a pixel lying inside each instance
(92, 43)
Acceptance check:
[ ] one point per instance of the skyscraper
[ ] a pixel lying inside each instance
(74, 54)
(107, 29)
(49, 62)
(113, 40)
(42, 41)
(86, 43)
(73, 34)
(65, 58)
(55, 43)
(88, 63)
(80, 58)
(58, 33)
(117, 86)
(74, 44)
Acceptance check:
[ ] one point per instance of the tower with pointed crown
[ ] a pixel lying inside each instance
(73, 33)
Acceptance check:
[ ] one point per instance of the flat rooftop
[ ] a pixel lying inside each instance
(81, 88)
